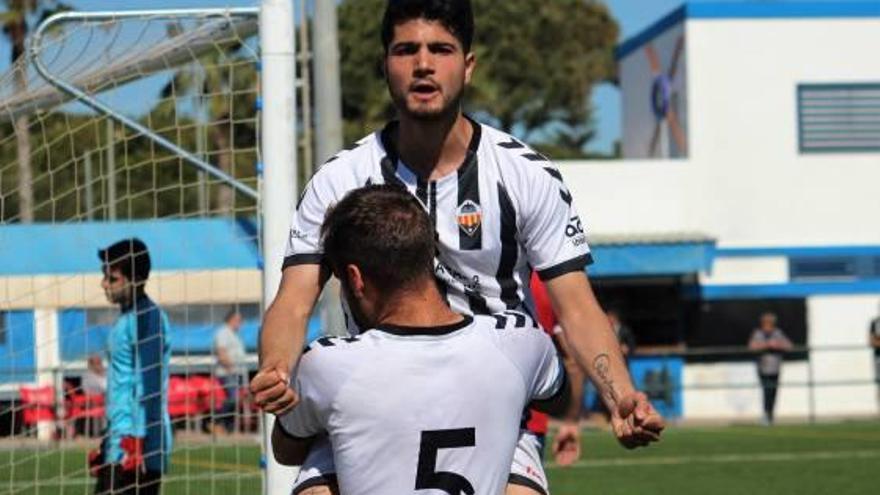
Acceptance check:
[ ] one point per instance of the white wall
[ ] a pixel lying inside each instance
(843, 321)
(730, 391)
(744, 182)
(743, 77)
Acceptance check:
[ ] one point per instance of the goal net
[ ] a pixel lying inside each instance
(175, 164)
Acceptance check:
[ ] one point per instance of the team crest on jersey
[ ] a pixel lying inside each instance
(470, 216)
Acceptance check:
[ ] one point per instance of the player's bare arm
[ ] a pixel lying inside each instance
(595, 348)
(567, 441)
(283, 334)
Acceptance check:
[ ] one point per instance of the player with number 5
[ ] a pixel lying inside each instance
(425, 398)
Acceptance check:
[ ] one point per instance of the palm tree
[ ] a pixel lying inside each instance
(222, 79)
(15, 19)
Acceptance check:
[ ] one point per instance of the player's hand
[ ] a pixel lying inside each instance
(271, 391)
(95, 460)
(567, 443)
(635, 421)
(132, 453)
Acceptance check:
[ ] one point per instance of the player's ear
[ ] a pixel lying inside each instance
(355, 279)
(470, 63)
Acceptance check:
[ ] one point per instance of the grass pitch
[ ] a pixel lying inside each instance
(798, 459)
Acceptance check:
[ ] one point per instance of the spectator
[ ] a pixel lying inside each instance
(770, 343)
(94, 380)
(624, 334)
(134, 454)
(231, 368)
(874, 339)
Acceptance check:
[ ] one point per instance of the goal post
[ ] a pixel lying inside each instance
(175, 126)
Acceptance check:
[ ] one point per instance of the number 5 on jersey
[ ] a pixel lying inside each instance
(432, 441)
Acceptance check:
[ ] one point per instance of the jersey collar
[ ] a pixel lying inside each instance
(386, 136)
(405, 331)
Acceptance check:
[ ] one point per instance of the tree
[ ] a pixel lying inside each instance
(536, 64)
(225, 77)
(15, 21)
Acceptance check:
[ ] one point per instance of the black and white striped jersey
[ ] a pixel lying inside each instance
(504, 212)
(461, 421)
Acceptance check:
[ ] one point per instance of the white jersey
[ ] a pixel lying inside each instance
(400, 419)
(505, 212)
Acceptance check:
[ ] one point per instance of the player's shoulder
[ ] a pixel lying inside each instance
(328, 345)
(511, 328)
(508, 320)
(360, 157)
(511, 154)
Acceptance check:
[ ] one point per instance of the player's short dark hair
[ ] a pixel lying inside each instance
(457, 16)
(129, 256)
(385, 232)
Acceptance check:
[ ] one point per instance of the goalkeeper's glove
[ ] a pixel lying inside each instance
(132, 453)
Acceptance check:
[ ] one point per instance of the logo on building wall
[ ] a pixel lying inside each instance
(664, 101)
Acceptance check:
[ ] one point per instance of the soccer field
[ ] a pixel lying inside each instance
(822, 459)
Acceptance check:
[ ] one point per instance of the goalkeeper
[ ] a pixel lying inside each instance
(135, 450)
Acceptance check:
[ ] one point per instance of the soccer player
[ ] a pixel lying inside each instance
(498, 208)
(432, 426)
(134, 453)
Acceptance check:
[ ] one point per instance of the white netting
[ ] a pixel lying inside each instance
(72, 181)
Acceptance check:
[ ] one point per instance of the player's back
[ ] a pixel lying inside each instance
(439, 408)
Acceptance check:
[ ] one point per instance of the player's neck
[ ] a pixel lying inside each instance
(421, 307)
(434, 149)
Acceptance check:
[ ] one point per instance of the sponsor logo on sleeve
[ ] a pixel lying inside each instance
(575, 231)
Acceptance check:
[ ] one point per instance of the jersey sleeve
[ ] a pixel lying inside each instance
(304, 237)
(315, 383)
(548, 373)
(553, 231)
(533, 353)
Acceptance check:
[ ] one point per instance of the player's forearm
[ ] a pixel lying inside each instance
(575, 378)
(282, 335)
(576, 384)
(597, 351)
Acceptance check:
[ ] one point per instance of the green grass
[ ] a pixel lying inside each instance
(821, 459)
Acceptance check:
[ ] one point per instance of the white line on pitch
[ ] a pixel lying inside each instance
(724, 458)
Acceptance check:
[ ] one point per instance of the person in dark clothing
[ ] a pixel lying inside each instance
(770, 343)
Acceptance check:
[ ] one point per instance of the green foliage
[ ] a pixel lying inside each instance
(536, 64)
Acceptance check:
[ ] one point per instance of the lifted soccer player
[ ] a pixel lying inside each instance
(135, 452)
(398, 416)
(498, 209)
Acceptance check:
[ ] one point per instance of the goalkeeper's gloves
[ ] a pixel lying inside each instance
(132, 453)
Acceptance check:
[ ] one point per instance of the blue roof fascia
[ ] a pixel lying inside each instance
(178, 244)
(798, 251)
(653, 260)
(748, 10)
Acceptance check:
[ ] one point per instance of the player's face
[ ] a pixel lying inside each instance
(426, 70)
(116, 287)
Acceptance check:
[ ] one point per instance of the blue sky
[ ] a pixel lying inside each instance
(632, 15)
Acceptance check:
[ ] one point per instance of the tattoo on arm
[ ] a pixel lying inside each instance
(602, 367)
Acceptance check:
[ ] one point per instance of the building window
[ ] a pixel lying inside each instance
(838, 117)
(831, 268)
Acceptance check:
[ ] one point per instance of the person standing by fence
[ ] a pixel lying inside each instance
(874, 340)
(770, 343)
